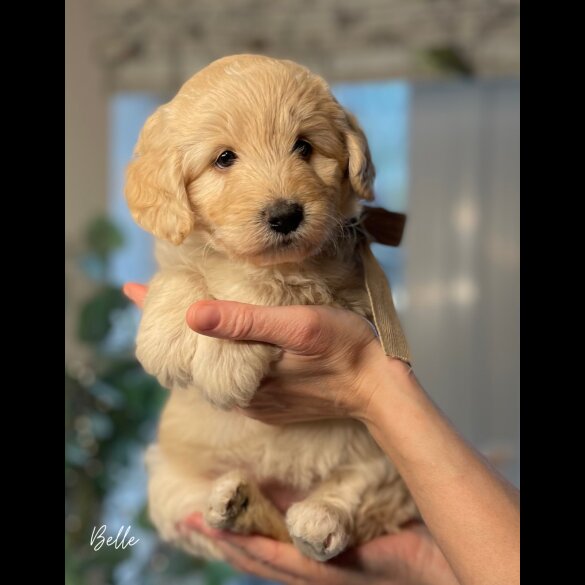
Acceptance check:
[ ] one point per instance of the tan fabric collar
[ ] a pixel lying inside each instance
(384, 227)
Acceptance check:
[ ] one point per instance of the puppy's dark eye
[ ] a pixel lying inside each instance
(226, 159)
(303, 148)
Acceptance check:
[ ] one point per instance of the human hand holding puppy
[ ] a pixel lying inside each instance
(333, 367)
(323, 373)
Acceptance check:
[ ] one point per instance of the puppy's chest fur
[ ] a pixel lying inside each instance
(333, 278)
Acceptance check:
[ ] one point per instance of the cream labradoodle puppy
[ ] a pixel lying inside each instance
(248, 178)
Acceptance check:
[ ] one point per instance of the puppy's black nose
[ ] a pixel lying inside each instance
(284, 216)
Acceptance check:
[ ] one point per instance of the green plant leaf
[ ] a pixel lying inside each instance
(95, 318)
(103, 237)
(449, 59)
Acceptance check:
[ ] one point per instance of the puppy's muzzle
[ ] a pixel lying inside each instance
(284, 216)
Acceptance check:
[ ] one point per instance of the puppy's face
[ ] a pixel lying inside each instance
(257, 154)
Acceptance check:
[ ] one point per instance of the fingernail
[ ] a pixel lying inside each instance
(205, 317)
(126, 289)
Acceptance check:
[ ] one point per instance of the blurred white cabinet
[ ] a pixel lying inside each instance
(462, 267)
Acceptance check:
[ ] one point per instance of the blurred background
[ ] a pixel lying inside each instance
(435, 85)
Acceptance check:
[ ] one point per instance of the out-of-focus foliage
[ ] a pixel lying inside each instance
(449, 60)
(111, 409)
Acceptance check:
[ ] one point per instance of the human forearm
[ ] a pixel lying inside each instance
(461, 498)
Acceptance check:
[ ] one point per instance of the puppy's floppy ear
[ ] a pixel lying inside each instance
(155, 185)
(361, 170)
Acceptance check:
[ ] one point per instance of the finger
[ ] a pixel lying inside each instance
(275, 415)
(277, 555)
(295, 328)
(135, 292)
(385, 553)
(267, 404)
(265, 549)
(247, 564)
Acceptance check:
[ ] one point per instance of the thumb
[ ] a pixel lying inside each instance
(295, 328)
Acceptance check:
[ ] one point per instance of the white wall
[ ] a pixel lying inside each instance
(462, 245)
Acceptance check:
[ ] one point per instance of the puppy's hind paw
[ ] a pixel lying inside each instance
(229, 499)
(318, 530)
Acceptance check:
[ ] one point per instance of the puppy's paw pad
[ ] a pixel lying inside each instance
(319, 531)
(229, 498)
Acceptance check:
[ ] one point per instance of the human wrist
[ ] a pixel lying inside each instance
(384, 379)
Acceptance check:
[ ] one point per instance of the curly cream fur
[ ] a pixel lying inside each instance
(213, 244)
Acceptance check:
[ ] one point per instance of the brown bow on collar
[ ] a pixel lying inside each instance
(383, 226)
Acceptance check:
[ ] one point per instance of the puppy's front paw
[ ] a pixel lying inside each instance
(169, 363)
(228, 373)
(229, 498)
(319, 530)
